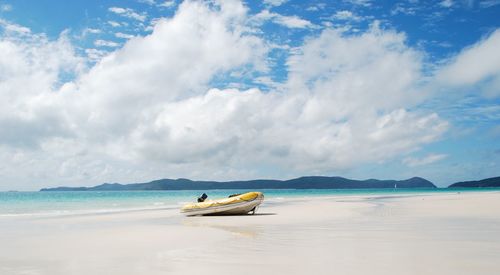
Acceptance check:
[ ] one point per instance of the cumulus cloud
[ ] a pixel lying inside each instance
(333, 104)
(147, 109)
(30, 68)
(478, 64)
(125, 90)
(128, 88)
(362, 85)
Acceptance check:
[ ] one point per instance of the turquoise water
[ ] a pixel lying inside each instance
(69, 202)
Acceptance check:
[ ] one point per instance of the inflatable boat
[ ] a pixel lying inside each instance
(238, 204)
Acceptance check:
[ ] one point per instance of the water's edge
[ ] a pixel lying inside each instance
(55, 203)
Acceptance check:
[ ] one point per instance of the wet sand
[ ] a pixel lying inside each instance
(455, 233)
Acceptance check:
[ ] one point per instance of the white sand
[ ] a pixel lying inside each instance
(426, 234)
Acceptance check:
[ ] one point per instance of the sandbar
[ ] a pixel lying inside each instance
(451, 233)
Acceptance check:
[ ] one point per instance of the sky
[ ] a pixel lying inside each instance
(132, 91)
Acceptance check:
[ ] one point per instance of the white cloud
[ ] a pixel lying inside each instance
(105, 43)
(161, 3)
(325, 114)
(124, 35)
(152, 24)
(363, 3)
(91, 30)
(14, 28)
(267, 81)
(129, 13)
(167, 4)
(147, 110)
(125, 91)
(346, 15)
(114, 24)
(95, 54)
(287, 21)
(149, 2)
(263, 16)
(87, 31)
(292, 21)
(117, 10)
(275, 2)
(446, 3)
(430, 158)
(316, 7)
(30, 68)
(476, 65)
(362, 85)
(489, 3)
(405, 8)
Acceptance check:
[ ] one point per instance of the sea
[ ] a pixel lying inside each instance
(56, 203)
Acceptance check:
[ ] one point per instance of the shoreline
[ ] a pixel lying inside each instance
(70, 203)
(375, 234)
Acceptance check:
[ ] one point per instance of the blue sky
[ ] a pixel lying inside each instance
(130, 91)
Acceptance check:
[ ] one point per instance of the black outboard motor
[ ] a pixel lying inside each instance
(202, 198)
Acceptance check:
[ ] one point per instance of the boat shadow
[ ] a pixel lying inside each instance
(263, 214)
(238, 215)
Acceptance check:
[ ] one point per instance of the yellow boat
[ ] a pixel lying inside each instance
(234, 205)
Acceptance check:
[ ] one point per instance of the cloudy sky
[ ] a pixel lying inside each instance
(131, 91)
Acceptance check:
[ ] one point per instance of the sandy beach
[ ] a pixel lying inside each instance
(453, 233)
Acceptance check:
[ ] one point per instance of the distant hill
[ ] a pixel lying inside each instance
(491, 182)
(298, 183)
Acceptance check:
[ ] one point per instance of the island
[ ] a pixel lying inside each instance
(489, 182)
(312, 182)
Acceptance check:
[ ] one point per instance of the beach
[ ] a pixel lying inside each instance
(441, 233)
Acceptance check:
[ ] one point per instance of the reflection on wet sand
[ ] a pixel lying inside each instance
(220, 222)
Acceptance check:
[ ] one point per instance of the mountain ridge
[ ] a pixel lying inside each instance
(305, 182)
(489, 182)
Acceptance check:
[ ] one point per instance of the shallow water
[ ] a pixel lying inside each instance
(90, 202)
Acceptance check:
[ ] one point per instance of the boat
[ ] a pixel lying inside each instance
(238, 204)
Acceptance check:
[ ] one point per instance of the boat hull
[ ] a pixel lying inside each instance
(238, 205)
